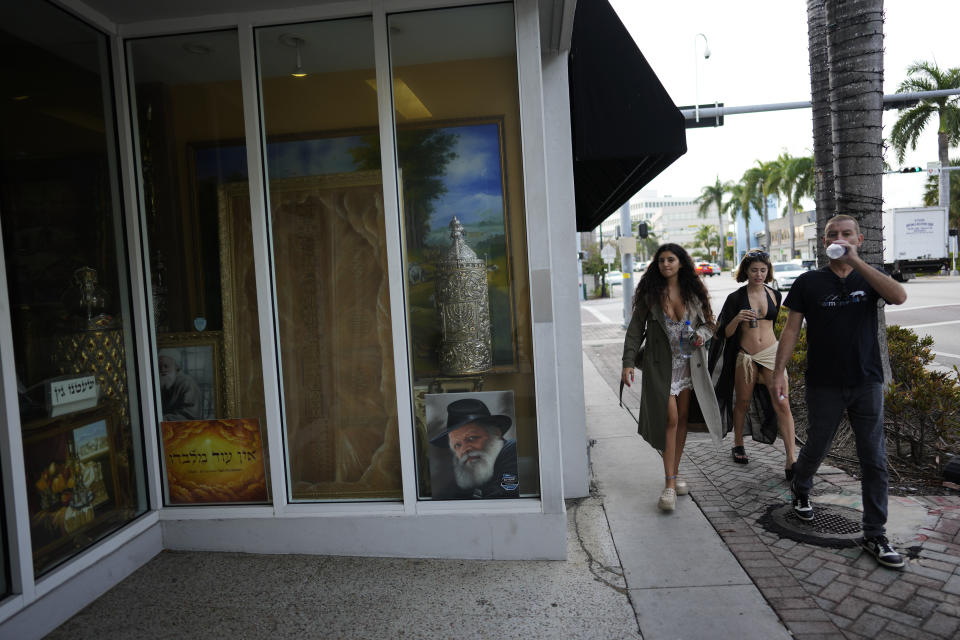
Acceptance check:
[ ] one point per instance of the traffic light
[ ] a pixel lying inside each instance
(911, 170)
(642, 230)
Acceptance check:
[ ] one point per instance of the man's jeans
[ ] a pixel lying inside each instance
(864, 406)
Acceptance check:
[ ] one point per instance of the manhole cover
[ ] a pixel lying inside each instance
(832, 525)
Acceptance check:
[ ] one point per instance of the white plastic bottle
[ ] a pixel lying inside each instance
(686, 340)
(834, 251)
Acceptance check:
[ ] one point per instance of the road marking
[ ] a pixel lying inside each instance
(944, 353)
(930, 324)
(928, 306)
(602, 318)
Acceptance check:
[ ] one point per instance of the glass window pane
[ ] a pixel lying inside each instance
(196, 205)
(330, 261)
(458, 147)
(68, 285)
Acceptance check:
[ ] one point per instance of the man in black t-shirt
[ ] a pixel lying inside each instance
(839, 303)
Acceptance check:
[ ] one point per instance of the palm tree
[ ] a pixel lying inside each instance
(793, 178)
(931, 192)
(738, 207)
(927, 76)
(755, 185)
(825, 196)
(855, 51)
(712, 195)
(707, 237)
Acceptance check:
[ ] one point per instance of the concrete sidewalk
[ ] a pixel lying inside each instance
(631, 572)
(708, 570)
(683, 580)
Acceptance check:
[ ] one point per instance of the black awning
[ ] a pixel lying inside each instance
(626, 129)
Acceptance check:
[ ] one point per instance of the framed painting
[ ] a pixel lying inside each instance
(72, 480)
(457, 169)
(447, 168)
(190, 368)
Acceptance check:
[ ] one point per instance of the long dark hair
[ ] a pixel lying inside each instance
(653, 285)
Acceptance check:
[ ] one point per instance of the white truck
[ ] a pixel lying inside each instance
(914, 241)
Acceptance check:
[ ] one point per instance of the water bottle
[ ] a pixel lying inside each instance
(686, 340)
(834, 251)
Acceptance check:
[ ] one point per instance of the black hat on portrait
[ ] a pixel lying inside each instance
(460, 413)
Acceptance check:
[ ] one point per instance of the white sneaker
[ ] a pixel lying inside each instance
(682, 487)
(668, 499)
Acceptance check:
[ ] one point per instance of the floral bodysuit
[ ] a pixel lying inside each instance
(680, 379)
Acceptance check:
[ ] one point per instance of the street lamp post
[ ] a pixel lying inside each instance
(696, 72)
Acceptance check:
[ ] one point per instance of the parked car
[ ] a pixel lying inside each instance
(784, 273)
(640, 266)
(614, 278)
(704, 269)
(716, 269)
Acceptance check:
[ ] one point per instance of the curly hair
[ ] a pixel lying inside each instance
(748, 259)
(653, 285)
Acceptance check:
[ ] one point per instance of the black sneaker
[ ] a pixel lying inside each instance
(801, 504)
(879, 548)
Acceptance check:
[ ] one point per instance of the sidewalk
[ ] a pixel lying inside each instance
(708, 570)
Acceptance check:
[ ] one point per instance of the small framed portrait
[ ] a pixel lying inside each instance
(472, 445)
(189, 367)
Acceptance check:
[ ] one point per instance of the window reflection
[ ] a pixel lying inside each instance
(330, 260)
(68, 287)
(196, 207)
(458, 147)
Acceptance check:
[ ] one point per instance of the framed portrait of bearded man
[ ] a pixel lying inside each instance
(472, 445)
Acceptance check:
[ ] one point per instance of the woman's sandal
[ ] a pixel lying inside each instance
(740, 455)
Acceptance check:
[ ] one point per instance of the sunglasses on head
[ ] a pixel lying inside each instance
(757, 254)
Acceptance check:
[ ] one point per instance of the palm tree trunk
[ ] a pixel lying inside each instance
(723, 239)
(766, 226)
(943, 149)
(793, 238)
(855, 55)
(822, 131)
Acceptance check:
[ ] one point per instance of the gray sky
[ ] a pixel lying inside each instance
(758, 56)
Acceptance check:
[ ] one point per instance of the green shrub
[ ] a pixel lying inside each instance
(922, 407)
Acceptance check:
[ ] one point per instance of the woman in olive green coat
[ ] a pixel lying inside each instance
(669, 295)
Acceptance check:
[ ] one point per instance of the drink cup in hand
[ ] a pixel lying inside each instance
(834, 251)
(753, 320)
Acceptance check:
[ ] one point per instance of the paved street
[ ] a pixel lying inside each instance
(821, 592)
(932, 308)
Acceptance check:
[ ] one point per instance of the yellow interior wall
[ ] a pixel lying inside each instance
(339, 102)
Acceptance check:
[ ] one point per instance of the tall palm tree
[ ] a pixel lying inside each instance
(855, 52)
(755, 183)
(931, 192)
(738, 207)
(825, 196)
(712, 195)
(793, 178)
(927, 76)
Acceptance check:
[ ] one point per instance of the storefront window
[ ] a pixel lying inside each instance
(196, 209)
(318, 83)
(67, 283)
(458, 147)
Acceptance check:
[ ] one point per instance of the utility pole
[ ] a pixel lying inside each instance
(626, 262)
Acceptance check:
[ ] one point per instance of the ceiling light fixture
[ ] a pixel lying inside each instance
(294, 41)
(197, 48)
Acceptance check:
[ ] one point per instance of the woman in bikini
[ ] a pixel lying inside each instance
(745, 350)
